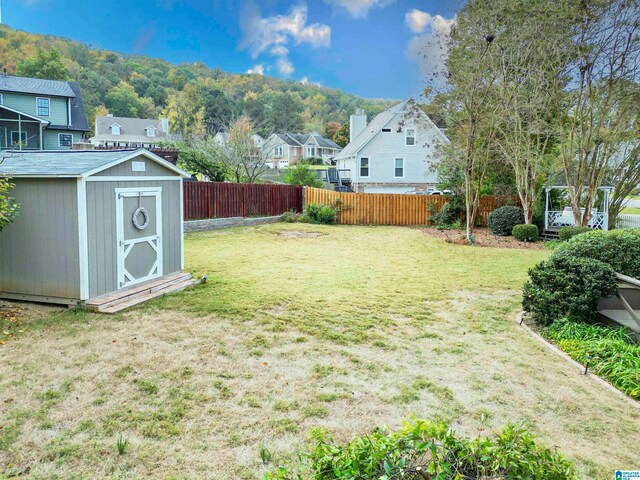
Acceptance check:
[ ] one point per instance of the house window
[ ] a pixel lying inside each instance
(115, 129)
(278, 151)
(364, 167)
(410, 138)
(43, 106)
(399, 168)
(18, 138)
(151, 132)
(65, 139)
(311, 150)
(386, 130)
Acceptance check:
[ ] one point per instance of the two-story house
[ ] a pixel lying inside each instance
(395, 153)
(284, 149)
(40, 114)
(124, 132)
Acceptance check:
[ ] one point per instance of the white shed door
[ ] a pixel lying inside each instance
(139, 234)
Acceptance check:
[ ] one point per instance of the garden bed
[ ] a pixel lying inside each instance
(484, 238)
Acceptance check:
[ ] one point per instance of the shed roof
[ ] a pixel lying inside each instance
(37, 86)
(72, 163)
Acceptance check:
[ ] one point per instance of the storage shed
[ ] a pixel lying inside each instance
(91, 223)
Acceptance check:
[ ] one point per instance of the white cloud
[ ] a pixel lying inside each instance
(285, 67)
(417, 20)
(359, 8)
(429, 47)
(273, 34)
(305, 81)
(261, 34)
(257, 69)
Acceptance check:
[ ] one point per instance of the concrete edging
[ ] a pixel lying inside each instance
(550, 346)
(220, 223)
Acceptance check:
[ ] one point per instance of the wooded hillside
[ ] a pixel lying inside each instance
(193, 96)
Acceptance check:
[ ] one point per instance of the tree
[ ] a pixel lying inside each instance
(342, 135)
(123, 101)
(331, 128)
(283, 112)
(186, 112)
(44, 64)
(602, 103)
(196, 161)
(8, 206)
(471, 102)
(242, 159)
(301, 174)
(219, 109)
(624, 177)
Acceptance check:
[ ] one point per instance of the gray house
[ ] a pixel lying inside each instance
(124, 132)
(38, 114)
(91, 223)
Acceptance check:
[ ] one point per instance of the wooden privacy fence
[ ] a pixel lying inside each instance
(393, 208)
(223, 200)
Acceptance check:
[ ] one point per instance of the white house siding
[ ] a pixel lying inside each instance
(385, 147)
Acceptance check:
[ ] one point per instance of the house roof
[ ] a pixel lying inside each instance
(36, 86)
(299, 139)
(72, 163)
(131, 129)
(78, 112)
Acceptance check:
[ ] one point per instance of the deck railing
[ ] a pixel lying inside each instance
(628, 221)
(564, 218)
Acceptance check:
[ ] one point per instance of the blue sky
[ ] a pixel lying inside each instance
(373, 48)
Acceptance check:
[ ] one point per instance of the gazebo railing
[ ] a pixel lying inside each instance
(564, 218)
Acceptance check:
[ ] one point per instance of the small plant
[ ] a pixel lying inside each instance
(525, 233)
(566, 233)
(265, 455)
(291, 217)
(503, 219)
(447, 217)
(567, 286)
(122, 444)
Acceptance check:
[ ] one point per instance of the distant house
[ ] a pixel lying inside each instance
(284, 149)
(222, 137)
(124, 132)
(40, 114)
(394, 153)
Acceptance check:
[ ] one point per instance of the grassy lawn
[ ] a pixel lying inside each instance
(631, 211)
(298, 326)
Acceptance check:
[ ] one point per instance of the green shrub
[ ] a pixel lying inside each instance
(503, 219)
(613, 353)
(318, 213)
(566, 233)
(291, 217)
(448, 216)
(512, 453)
(525, 233)
(618, 248)
(567, 286)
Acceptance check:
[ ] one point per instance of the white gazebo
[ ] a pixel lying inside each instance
(555, 219)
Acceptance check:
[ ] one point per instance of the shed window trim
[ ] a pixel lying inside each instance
(67, 143)
(43, 106)
(398, 169)
(364, 167)
(410, 137)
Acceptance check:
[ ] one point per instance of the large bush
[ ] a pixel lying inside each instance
(503, 219)
(8, 206)
(512, 453)
(567, 286)
(302, 174)
(525, 233)
(448, 216)
(613, 353)
(567, 233)
(618, 248)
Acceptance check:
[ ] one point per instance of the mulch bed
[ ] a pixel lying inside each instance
(484, 238)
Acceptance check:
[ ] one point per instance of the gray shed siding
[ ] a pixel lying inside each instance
(101, 216)
(40, 248)
(125, 169)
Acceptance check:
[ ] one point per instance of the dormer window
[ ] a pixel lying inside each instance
(43, 107)
(115, 129)
(151, 131)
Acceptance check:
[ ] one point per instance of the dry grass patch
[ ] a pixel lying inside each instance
(353, 329)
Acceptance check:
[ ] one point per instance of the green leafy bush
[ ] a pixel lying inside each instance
(432, 445)
(302, 174)
(291, 217)
(8, 206)
(567, 286)
(318, 213)
(613, 353)
(566, 233)
(618, 248)
(525, 233)
(448, 216)
(503, 219)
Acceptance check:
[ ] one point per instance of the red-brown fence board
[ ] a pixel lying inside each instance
(222, 200)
